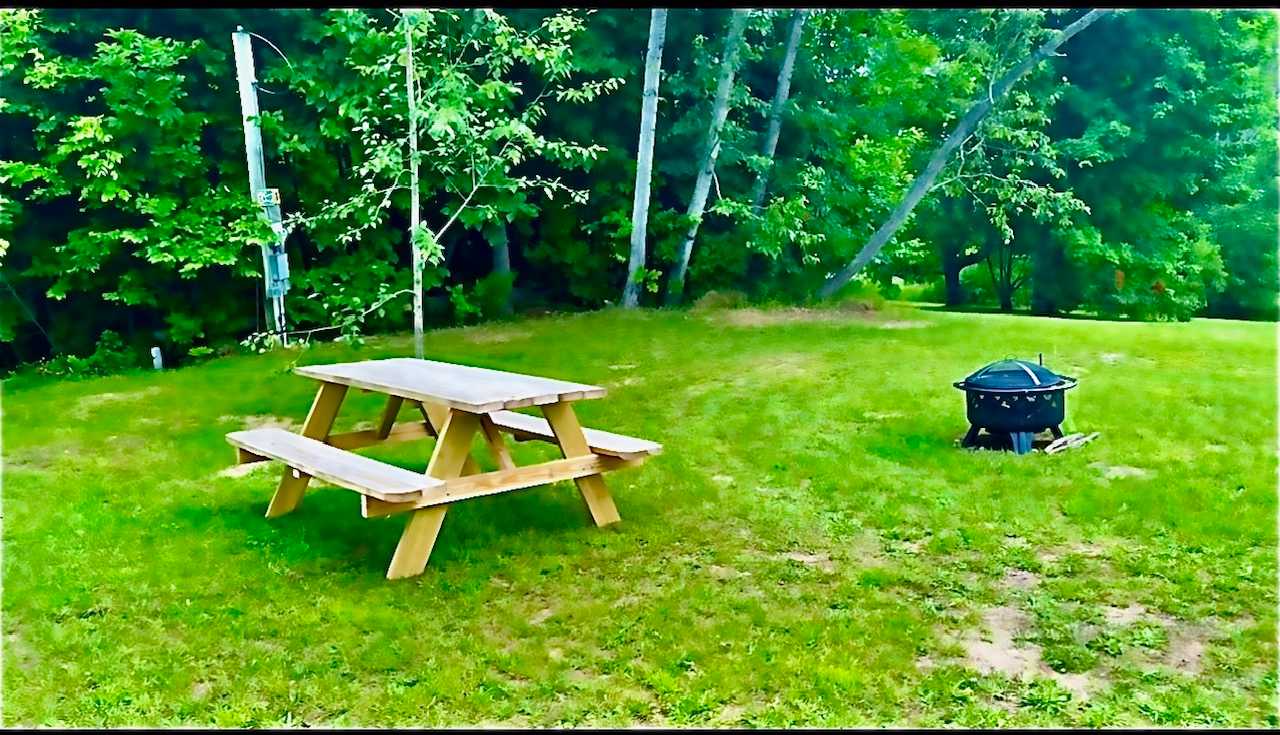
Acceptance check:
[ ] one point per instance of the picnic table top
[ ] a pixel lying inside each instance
(472, 389)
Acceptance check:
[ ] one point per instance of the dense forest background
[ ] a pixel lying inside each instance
(1132, 175)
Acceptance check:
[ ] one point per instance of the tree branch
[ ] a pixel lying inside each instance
(924, 182)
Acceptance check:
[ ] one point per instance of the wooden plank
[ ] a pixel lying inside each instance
(517, 478)
(324, 409)
(416, 543)
(453, 448)
(243, 456)
(497, 444)
(402, 432)
(436, 415)
(501, 481)
(477, 390)
(374, 508)
(525, 427)
(314, 458)
(426, 416)
(389, 414)
(564, 423)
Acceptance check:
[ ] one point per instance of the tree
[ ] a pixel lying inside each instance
(1164, 151)
(479, 126)
(954, 140)
(644, 156)
(415, 213)
(115, 186)
(781, 92)
(711, 149)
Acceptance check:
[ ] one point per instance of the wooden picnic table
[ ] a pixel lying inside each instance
(454, 403)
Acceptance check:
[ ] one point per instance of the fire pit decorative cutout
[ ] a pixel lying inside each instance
(1015, 398)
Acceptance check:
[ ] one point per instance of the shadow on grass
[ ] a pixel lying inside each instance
(1070, 316)
(327, 528)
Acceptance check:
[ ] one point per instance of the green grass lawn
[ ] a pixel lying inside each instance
(812, 548)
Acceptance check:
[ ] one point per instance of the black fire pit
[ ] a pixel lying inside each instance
(1015, 398)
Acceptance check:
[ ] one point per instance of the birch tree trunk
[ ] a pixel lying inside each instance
(938, 160)
(780, 95)
(496, 234)
(415, 215)
(644, 155)
(711, 149)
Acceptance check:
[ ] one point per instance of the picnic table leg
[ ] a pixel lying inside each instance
(497, 444)
(324, 409)
(573, 443)
(453, 450)
(389, 414)
(435, 416)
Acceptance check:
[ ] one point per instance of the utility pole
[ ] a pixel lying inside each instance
(275, 262)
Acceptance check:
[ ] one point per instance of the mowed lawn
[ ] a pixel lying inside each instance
(812, 548)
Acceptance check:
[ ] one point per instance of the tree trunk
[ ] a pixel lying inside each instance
(963, 129)
(780, 95)
(1006, 300)
(951, 267)
(496, 234)
(644, 155)
(415, 217)
(1000, 281)
(702, 186)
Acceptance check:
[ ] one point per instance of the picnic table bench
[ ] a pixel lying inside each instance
(454, 403)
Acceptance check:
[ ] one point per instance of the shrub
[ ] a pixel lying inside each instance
(859, 295)
(492, 294)
(110, 355)
(934, 292)
(715, 300)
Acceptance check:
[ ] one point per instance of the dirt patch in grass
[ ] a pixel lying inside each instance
(787, 365)
(490, 336)
(40, 458)
(729, 715)
(1113, 472)
(264, 420)
(1127, 615)
(753, 317)
(1087, 549)
(1186, 650)
(818, 561)
(200, 690)
(994, 649)
(88, 404)
(1019, 579)
(242, 470)
(725, 573)
(1186, 644)
(19, 652)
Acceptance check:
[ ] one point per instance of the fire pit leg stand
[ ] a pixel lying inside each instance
(970, 438)
(1021, 441)
(1057, 431)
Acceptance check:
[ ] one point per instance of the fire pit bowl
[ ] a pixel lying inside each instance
(1016, 398)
